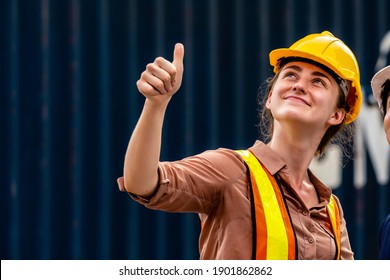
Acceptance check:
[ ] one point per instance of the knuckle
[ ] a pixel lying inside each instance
(160, 85)
(173, 71)
(166, 78)
(150, 66)
(159, 59)
(143, 76)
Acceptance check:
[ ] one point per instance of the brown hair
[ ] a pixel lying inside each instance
(341, 134)
(385, 95)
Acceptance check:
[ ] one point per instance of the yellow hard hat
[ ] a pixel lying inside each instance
(326, 49)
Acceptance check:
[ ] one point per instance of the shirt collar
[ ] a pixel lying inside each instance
(274, 163)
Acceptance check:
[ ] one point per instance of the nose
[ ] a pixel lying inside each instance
(299, 86)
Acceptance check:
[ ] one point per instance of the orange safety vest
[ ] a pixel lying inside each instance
(274, 236)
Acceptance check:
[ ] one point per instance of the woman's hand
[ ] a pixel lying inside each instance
(162, 78)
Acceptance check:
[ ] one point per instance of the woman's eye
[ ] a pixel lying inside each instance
(290, 74)
(319, 81)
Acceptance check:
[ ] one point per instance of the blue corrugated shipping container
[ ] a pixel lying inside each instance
(69, 103)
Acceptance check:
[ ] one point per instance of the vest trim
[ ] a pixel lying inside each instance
(334, 216)
(273, 233)
(276, 240)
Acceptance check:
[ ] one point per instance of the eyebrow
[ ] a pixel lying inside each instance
(315, 73)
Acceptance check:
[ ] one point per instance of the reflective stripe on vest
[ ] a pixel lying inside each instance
(275, 238)
(274, 233)
(334, 216)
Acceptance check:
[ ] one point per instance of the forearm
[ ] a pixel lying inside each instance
(143, 152)
(158, 83)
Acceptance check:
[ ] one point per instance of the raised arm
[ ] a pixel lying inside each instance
(158, 83)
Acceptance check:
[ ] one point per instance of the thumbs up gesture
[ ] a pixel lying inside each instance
(162, 78)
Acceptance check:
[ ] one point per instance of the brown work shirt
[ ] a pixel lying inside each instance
(216, 185)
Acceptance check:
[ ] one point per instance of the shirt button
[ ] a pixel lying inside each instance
(311, 240)
(304, 213)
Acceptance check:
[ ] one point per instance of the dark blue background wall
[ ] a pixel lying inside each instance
(68, 104)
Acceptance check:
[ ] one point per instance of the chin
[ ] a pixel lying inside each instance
(295, 115)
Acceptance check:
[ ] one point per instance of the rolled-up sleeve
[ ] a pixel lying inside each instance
(194, 184)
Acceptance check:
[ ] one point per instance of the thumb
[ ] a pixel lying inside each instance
(178, 55)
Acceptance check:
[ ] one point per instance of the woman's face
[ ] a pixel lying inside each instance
(306, 94)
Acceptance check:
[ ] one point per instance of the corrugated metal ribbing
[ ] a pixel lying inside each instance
(189, 226)
(69, 102)
(13, 192)
(44, 207)
(161, 223)
(77, 127)
(105, 130)
(213, 89)
(133, 107)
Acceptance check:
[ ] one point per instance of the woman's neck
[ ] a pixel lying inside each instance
(297, 148)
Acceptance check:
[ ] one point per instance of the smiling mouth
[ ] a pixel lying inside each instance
(295, 98)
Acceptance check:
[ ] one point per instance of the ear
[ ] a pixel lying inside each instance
(268, 103)
(337, 117)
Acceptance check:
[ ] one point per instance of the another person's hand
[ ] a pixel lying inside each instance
(162, 78)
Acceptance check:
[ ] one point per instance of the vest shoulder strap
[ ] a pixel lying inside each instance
(274, 234)
(334, 216)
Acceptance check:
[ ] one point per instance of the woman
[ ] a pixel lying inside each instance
(380, 85)
(260, 203)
